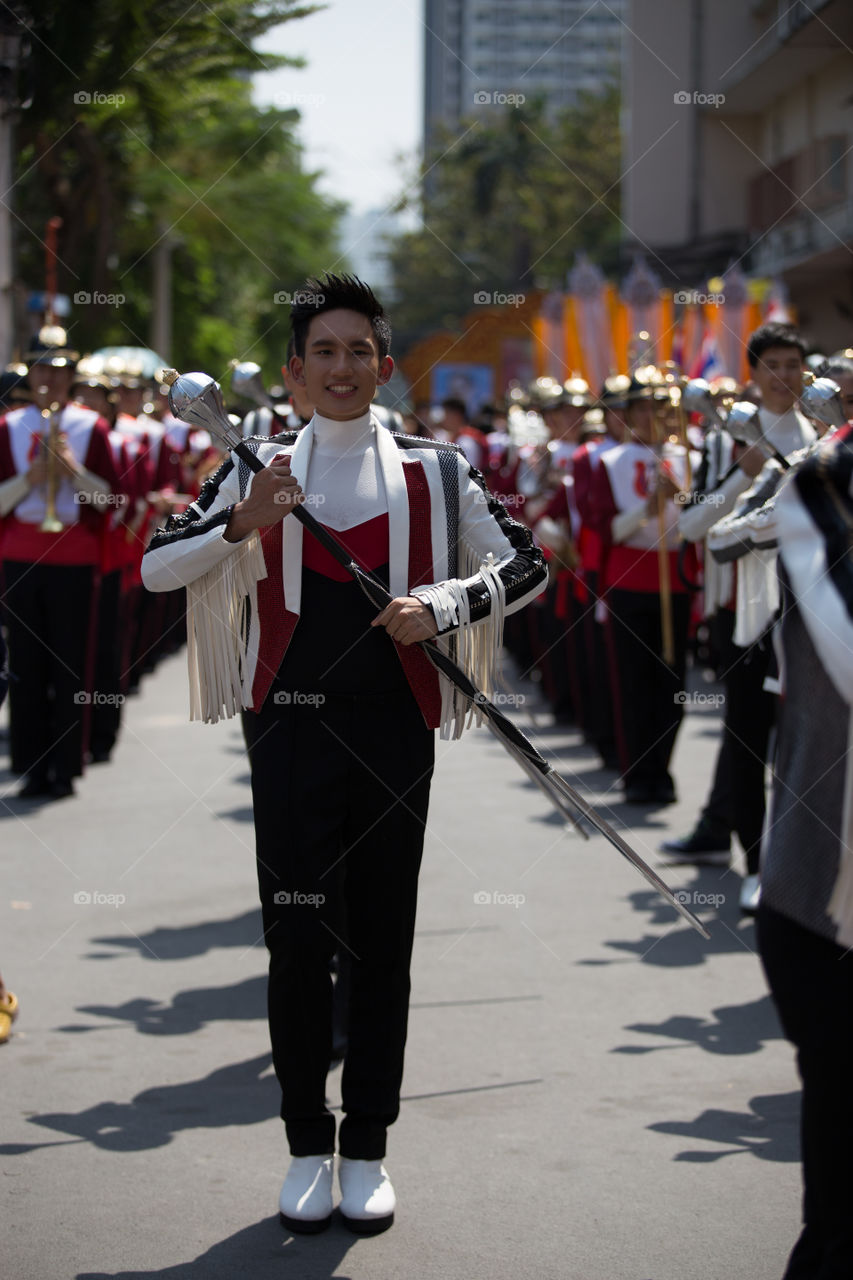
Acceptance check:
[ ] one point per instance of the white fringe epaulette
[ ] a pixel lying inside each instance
(217, 629)
(757, 596)
(475, 646)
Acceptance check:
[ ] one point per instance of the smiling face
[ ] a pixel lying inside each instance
(779, 377)
(341, 368)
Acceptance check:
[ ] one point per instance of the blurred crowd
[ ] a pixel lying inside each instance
(679, 517)
(636, 490)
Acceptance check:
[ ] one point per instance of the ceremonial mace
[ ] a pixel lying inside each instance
(821, 400)
(197, 399)
(246, 380)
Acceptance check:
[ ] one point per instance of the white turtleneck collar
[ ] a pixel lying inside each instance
(351, 436)
(344, 475)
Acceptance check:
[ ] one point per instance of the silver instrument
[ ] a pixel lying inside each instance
(697, 397)
(247, 380)
(821, 400)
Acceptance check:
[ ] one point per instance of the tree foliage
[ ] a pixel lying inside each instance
(507, 202)
(137, 129)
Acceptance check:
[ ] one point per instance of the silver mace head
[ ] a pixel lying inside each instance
(744, 424)
(821, 400)
(697, 397)
(247, 380)
(195, 398)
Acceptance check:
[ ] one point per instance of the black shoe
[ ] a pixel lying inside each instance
(705, 844)
(61, 788)
(641, 795)
(34, 788)
(665, 793)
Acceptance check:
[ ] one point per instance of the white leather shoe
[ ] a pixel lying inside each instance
(750, 895)
(305, 1202)
(367, 1197)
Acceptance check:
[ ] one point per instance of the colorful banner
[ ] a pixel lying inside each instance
(595, 328)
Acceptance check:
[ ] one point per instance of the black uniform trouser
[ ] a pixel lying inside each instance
(340, 796)
(737, 799)
(750, 712)
(811, 979)
(107, 696)
(649, 694)
(49, 615)
(601, 728)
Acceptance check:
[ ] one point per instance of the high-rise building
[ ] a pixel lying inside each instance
(481, 53)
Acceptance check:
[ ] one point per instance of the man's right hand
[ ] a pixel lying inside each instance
(273, 494)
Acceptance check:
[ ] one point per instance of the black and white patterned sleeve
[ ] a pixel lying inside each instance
(190, 544)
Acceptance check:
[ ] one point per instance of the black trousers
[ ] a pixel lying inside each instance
(648, 695)
(600, 697)
(811, 980)
(49, 618)
(737, 798)
(340, 789)
(107, 693)
(750, 713)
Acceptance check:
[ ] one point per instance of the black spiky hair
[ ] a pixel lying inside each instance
(773, 334)
(334, 293)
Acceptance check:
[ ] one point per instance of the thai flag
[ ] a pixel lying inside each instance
(707, 364)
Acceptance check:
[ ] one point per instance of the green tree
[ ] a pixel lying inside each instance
(140, 132)
(507, 203)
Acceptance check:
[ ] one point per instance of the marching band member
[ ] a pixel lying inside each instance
(56, 469)
(585, 462)
(634, 491)
(776, 358)
(345, 702)
(92, 389)
(805, 917)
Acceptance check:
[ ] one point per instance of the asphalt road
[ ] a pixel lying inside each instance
(592, 1091)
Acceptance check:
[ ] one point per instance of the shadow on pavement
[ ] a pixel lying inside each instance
(187, 940)
(739, 1028)
(234, 1095)
(713, 896)
(770, 1130)
(265, 1251)
(189, 1010)
(243, 813)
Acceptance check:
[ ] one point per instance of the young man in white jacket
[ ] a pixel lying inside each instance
(344, 702)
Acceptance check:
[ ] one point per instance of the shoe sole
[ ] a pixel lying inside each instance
(721, 859)
(304, 1226)
(368, 1226)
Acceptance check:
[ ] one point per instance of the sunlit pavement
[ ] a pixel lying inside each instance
(592, 1092)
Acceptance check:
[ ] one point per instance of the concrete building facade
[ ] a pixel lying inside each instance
(738, 132)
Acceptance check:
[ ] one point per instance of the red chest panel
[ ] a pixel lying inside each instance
(367, 543)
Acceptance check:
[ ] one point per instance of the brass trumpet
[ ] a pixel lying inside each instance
(49, 443)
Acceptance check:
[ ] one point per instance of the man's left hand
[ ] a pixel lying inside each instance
(407, 620)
